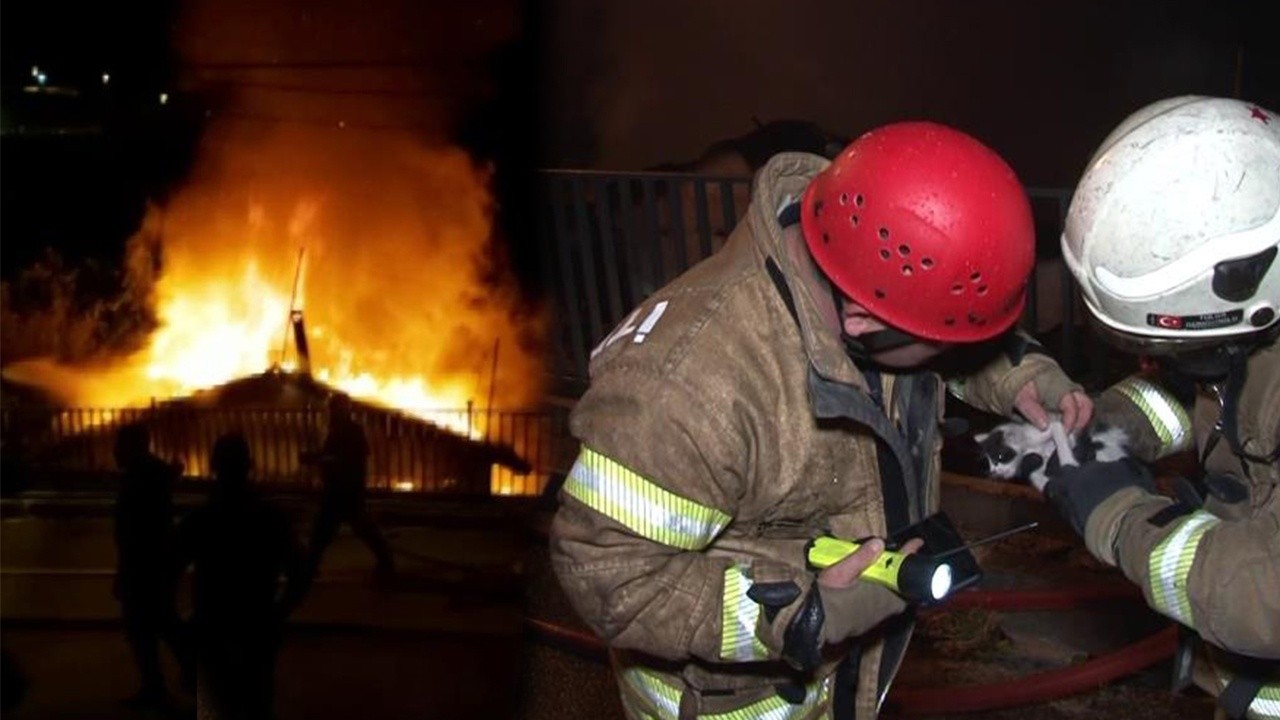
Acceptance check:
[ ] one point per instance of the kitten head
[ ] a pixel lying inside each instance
(1015, 449)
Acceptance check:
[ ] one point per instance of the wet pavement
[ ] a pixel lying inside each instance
(450, 639)
(87, 672)
(444, 641)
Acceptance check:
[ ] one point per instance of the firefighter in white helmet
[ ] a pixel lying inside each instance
(1172, 236)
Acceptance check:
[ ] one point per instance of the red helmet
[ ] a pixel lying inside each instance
(926, 228)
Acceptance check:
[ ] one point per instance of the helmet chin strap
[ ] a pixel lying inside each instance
(1225, 366)
(1205, 365)
(1230, 422)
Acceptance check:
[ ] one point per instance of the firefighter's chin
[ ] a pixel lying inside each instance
(909, 356)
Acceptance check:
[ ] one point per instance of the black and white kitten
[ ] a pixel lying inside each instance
(1022, 451)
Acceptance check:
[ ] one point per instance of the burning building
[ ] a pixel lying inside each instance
(404, 284)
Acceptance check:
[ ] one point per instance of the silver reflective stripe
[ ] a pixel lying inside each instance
(956, 386)
(1267, 703)
(664, 698)
(738, 619)
(1167, 417)
(1170, 564)
(640, 504)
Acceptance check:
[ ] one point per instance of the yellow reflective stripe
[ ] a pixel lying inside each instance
(648, 510)
(1166, 415)
(738, 619)
(1267, 703)
(1170, 564)
(666, 698)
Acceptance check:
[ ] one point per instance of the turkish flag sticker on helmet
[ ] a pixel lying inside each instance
(1208, 321)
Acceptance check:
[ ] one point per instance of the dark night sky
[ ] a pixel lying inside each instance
(639, 84)
(615, 85)
(448, 70)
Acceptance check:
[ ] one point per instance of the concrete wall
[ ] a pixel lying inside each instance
(630, 85)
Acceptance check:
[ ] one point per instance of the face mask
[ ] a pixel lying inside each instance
(861, 348)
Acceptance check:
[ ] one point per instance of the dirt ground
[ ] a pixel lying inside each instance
(976, 646)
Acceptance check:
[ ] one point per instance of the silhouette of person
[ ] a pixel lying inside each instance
(13, 680)
(145, 582)
(342, 460)
(13, 464)
(239, 546)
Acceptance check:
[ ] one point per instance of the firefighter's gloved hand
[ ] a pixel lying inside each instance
(1077, 490)
(853, 606)
(852, 611)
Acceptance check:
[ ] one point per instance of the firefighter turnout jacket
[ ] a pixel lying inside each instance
(1215, 568)
(725, 426)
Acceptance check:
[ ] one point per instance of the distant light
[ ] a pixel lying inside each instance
(342, 124)
(41, 78)
(403, 486)
(35, 71)
(164, 98)
(106, 78)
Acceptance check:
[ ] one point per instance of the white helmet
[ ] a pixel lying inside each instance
(1173, 230)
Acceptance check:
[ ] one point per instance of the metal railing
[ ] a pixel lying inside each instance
(611, 239)
(505, 453)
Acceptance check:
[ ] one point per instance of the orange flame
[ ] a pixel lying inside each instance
(404, 296)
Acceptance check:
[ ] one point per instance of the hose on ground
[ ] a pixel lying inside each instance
(1029, 689)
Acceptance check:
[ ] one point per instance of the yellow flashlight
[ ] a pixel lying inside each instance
(915, 577)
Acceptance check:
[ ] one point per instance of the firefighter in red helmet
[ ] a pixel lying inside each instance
(788, 387)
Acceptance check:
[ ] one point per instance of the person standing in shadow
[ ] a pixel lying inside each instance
(145, 583)
(239, 546)
(342, 461)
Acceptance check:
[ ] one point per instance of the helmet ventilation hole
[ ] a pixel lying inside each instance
(858, 200)
(817, 208)
(976, 276)
(982, 289)
(949, 321)
(904, 250)
(826, 239)
(957, 289)
(906, 270)
(926, 263)
(884, 253)
(884, 233)
(853, 220)
(844, 198)
(976, 320)
(879, 294)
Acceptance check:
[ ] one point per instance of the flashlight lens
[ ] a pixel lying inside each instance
(941, 583)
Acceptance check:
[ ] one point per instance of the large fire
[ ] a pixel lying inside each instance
(405, 300)
(323, 141)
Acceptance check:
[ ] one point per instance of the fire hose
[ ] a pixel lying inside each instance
(1028, 689)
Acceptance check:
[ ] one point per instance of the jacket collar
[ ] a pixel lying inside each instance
(779, 183)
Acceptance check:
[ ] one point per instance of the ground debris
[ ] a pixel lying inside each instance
(963, 633)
